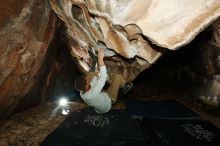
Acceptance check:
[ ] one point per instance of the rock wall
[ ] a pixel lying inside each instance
(216, 32)
(192, 72)
(210, 67)
(27, 28)
(124, 27)
(89, 26)
(126, 30)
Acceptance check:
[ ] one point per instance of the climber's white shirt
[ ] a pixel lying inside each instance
(99, 100)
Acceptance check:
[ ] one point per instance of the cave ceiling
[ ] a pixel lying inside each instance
(128, 28)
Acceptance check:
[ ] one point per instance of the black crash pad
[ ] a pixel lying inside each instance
(170, 132)
(168, 109)
(87, 128)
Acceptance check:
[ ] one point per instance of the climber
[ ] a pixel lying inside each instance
(91, 85)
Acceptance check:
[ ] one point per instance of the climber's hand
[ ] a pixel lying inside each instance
(101, 57)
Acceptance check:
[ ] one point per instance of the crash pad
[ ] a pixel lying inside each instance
(168, 109)
(87, 128)
(170, 132)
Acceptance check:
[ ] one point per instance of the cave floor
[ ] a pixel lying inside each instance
(31, 127)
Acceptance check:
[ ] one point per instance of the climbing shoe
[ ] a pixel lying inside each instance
(126, 88)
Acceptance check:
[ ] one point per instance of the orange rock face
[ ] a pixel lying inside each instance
(90, 25)
(26, 29)
(124, 27)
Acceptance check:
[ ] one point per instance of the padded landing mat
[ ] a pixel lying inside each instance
(168, 109)
(184, 132)
(87, 128)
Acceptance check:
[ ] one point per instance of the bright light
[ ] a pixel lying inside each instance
(63, 102)
(65, 112)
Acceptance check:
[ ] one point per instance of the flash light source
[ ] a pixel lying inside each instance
(63, 102)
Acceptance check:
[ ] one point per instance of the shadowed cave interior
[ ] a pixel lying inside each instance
(43, 61)
(177, 75)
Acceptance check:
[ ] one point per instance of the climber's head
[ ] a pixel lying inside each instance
(82, 84)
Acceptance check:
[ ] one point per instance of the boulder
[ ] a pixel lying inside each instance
(125, 27)
(27, 28)
(169, 24)
(89, 25)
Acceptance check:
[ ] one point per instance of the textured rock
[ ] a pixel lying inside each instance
(122, 27)
(89, 25)
(209, 59)
(170, 24)
(216, 33)
(26, 30)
